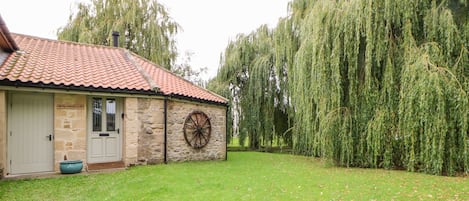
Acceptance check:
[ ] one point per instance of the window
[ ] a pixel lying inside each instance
(97, 114)
(107, 106)
(110, 115)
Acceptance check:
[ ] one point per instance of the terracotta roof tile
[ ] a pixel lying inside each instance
(171, 84)
(44, 61)
(70, 64)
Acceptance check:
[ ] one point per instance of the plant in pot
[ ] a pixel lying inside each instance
(70, 166)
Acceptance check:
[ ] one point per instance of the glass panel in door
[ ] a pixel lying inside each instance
(110, 115)
(97, 111)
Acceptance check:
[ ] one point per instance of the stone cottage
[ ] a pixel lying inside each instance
(104, 105)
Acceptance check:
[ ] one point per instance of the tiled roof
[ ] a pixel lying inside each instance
(70, 64)
(60, 63)
(171, 84)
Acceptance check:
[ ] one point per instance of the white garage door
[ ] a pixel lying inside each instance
(30, 133)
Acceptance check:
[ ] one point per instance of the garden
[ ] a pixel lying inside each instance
(244, 176)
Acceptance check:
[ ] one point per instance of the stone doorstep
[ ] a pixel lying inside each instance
(104, 166)
(38, 175)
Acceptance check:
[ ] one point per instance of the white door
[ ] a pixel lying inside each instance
(104, 136)
(30, 133)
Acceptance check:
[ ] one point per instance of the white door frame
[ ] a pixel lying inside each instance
(30, 151)
(104, 141)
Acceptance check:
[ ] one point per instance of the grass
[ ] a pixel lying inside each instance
(245, 176)
(235, 142)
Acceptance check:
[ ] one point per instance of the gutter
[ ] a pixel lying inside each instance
(41, 85)
(182, 97)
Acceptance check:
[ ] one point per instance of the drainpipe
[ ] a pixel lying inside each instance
(226, 132)
(165, 130)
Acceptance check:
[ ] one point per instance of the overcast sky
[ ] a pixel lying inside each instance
(208, 25)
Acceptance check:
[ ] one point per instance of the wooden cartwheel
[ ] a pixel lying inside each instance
(197, 129)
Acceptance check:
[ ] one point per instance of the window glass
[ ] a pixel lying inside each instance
(97, 114)
(110, 115)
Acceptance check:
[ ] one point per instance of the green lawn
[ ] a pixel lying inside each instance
(235, 142)
(245, 176)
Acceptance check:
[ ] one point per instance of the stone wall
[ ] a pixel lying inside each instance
(3, 133)
(131, 126)
(145, 121)
(178, 149)
(151, 131)
(69, 128)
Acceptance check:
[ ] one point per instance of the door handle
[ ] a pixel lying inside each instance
(49, 136)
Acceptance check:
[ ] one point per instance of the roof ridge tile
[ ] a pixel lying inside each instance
(64, 41)
(142, 72)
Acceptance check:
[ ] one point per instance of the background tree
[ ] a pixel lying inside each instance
(185, 70)
(362, 83)
(144, 25)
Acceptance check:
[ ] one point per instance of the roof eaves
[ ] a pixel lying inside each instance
(17, 83)
(182, 97)
(197, 86)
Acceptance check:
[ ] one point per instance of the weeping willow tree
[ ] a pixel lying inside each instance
(145, 27)
(383, 84)
(256, 89)
(366, 83)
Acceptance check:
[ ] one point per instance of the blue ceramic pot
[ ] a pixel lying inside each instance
(71, 167)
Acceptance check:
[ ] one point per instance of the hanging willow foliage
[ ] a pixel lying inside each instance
(362, 83)
(433, 116)
(144, 25)
(256, 89)
(363, 57)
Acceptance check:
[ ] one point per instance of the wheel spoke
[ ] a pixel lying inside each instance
(206, 126)
(198, 117)
(191, 125)
(200, 141)
(193, 138)
(205, 122)
(205, 131)
(194, 121)
(205, 138)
